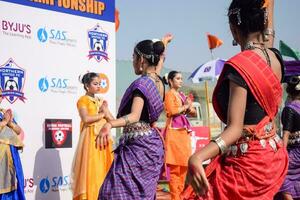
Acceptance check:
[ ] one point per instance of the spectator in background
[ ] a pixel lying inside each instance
(290, 118)
(177, 132)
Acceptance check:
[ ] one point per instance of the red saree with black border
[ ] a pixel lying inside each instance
(255, 166)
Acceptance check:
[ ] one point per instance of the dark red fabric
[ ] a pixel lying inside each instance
(259, 173)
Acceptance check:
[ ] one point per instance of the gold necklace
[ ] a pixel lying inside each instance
(155, 79)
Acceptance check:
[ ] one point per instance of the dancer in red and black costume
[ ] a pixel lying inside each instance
(250, 161)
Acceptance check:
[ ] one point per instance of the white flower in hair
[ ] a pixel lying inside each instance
(80, 77)
(155, 40)
(166, 76)
(297, 86)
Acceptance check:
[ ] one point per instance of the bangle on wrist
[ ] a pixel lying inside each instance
(125, 117)
(221, 144)
(110, 124)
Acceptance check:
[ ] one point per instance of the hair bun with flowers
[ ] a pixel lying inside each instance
(165, 79)
(80, 77)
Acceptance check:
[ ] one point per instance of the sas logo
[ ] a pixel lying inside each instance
(56, 85)
(12, 80)
(58, 133)
(44, 185)
(55, 184)
(104, 83)
(16, 29)
(55, 36)
(98, 42)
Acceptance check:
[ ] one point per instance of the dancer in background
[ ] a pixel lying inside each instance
(178, 130)
(291, 138)
(250, 160)
(91, 163)
(11, 172)
(140, 155)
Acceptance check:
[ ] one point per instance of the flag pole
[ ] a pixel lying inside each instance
(211, 53)
(207, 103)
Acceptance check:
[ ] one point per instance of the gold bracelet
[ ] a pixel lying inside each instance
(221, 144)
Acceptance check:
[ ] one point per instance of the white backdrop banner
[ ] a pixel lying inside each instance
(46, 45)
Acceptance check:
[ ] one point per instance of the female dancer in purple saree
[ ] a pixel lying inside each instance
(140, 155)
(291, 138)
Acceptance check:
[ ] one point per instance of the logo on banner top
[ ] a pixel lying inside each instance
(12, 79)
(104, 83)
(55, 37)
(58, 133)
(16, 29)
(56, 85)
(98, 42)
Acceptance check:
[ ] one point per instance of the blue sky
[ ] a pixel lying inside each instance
(189, 21)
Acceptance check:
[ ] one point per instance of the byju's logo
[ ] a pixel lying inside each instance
(12, 79)
(44, 185)
(56, 85)
(16, 29)
(98, 42)
(55, 36)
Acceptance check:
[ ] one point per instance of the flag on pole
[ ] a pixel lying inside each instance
(213, 41)
(117, 20)
(285, 50)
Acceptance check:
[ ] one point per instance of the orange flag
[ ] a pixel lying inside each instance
(213, 41)
(117, 21)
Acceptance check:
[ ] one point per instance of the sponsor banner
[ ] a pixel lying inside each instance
(45, 52)
(97, 9)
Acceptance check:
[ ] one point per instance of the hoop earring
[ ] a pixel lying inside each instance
(265, 37)
(234, 42)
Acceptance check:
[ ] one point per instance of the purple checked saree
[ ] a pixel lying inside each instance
(140, 155)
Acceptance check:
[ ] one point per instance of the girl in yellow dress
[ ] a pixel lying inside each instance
(91, 163)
